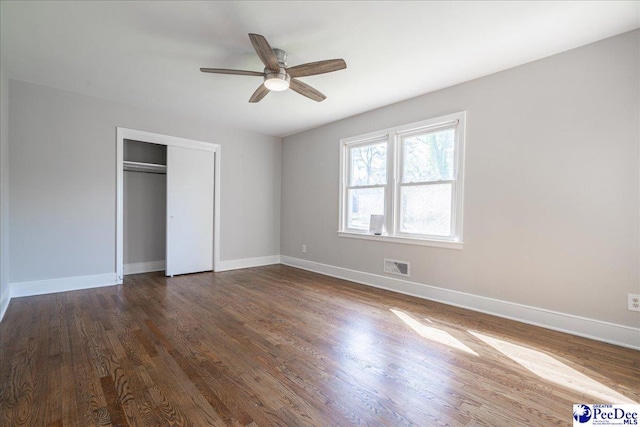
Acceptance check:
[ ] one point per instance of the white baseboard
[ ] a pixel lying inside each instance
(50, 286)
(621, 335)
(4, 301)
(236, 264)
(625, 336)
(39, 287)
(144, 267)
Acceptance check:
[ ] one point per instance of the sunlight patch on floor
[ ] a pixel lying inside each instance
(552, 370)
(431, 333)
(359, 336)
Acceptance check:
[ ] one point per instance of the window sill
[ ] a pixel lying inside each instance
(403, 240)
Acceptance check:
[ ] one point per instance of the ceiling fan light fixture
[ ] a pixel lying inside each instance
(276, 81)
(277, 76)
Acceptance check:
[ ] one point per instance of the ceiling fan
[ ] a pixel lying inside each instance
(278, 76)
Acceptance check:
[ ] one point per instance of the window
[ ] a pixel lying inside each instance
(412, 175)
(367, 183)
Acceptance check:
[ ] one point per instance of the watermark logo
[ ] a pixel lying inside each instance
(605, 415)
(581, 413)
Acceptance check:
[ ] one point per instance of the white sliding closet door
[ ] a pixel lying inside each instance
(190, 180)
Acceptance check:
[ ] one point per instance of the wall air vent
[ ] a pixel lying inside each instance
(400, 268)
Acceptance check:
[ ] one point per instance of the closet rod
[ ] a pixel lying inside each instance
(144, 167)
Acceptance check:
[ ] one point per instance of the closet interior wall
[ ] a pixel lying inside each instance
(145, 207)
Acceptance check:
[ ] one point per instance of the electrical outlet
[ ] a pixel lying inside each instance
(634, 302)
(304, 248)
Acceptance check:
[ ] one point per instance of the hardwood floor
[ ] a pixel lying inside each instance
(278, 346)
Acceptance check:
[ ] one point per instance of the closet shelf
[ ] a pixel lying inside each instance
(144, 167)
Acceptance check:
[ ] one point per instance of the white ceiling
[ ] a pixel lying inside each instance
(148, 53)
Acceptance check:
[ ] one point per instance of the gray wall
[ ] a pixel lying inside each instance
(551, 214)
(145, 205)
(63, 182)
(144, 222)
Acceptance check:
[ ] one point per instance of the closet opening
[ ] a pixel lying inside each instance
(167, 204)
(145, 207)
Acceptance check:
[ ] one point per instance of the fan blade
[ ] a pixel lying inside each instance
(306, 90)
(260, 93)
(264, 51)
(236, 72)
(318, 67)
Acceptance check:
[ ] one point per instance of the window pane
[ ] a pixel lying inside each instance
(428, 156)
(426, 209)
(368, 164)
(362, 203)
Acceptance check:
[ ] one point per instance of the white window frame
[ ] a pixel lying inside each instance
(394, 182)
(386, 186)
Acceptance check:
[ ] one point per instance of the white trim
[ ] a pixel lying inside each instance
(437, 125)
(156, 138)
(625, 336)
(367, 138)
(236, 264)
(403, 239)
(120, 136)
(216, 209)
(144, 267)
(64, 284)
(4, 301)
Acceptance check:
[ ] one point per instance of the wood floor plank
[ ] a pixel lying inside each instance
(278, 346)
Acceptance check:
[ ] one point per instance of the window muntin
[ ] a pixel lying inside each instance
(413, 175)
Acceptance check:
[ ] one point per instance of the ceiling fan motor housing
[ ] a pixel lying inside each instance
(278, 80)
